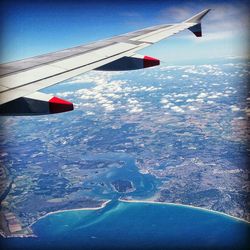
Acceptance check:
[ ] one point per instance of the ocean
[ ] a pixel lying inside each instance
(136, 225)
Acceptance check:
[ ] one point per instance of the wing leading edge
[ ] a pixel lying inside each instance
(20, 79)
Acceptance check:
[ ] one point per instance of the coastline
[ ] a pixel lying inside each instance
(54, 212)
(184, 205)
(121, 200)
(68, 210)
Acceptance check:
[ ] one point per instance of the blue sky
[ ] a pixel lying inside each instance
(32, 28)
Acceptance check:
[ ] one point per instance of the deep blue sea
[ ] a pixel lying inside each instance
(133, 225)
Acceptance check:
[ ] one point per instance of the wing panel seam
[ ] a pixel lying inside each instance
(20, 86)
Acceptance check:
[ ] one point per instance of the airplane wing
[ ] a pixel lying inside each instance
(21, 80)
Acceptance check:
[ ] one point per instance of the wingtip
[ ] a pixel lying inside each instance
(197, 18)
(207, 10)
(58, 105)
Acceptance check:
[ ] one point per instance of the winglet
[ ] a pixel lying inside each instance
(197, 18)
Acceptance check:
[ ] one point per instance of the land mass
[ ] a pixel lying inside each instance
(123, 186)
(183, 140)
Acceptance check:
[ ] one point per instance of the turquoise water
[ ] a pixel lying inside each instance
(125, 225)
(145, 184)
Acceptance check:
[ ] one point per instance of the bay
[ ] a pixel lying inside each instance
(136, 225)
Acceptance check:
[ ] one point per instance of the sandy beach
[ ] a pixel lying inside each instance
(73, 209)
(54, 212)
(183, 205)
(128, 201)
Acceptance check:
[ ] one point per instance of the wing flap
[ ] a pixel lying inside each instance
(16, 80)
(164, 33)
(94, 56)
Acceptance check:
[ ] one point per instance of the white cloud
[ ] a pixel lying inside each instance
(177, 109)
(192, 108)
(179, 100)
(234, 108)
(87, 105)
(169, 77)
(89, 113)
(181, 95)
(132, 101)
(164, 101)
(210, 102)
(176, 13)
(102, 93)
(108, 107)
(112, 95)
(199, 100)
(167, 106)
(192, 70)
(215, 95)
(210, 69)
(190, 100)
(65, 94)
(224, 20)
(135, 110)
(202, 95)
(210, 36)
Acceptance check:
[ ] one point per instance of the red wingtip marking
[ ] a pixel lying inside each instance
(150, 61)
(57, 105)
(198, 33)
